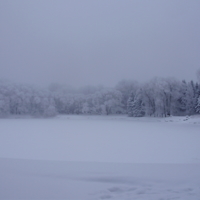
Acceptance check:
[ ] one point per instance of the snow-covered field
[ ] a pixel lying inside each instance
(100, 157)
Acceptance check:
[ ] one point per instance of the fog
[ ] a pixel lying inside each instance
(95, 42)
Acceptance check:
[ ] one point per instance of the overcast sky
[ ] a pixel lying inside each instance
(81, 42)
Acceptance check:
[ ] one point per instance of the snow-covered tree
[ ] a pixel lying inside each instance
(191, 99)
(149, 97)
(130, 104)
(198, 105)
(50, 111)
(127, 88)
(168, 95)
(198, 75)
(135, 105)
(107, 101)
(4, 106)
(138, 108)
(159, 97)
(182, 101)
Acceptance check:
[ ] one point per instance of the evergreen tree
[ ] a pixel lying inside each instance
(182, 102)
(198, 105)
(126, 88)
(130, 105)
(191, 99)
(138, 105)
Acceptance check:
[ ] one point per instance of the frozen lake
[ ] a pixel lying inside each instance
(95, 157)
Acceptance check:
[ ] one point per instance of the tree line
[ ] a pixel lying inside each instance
(159, 97)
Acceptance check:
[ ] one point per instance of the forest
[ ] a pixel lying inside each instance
(159, 97)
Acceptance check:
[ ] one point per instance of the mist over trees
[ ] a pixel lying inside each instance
(159, 97)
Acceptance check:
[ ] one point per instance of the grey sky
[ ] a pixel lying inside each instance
(81, 42)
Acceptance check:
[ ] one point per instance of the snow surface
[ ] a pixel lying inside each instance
(100, 157)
